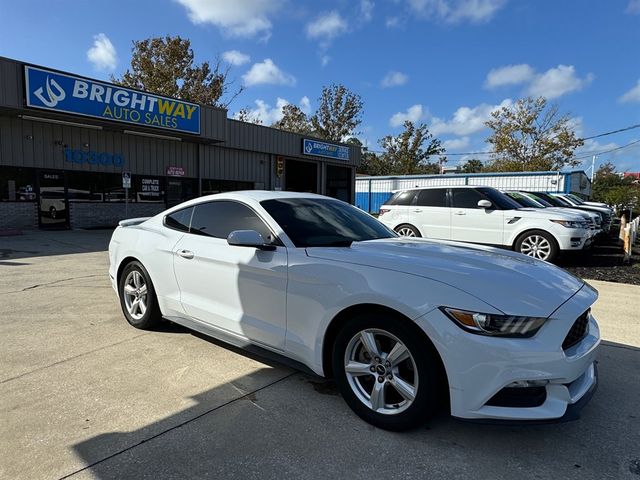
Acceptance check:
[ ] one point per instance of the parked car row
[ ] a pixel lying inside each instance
(540, 225)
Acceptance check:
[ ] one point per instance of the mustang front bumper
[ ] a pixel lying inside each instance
(482, 371)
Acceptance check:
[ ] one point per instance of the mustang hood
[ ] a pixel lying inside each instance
(512, 283)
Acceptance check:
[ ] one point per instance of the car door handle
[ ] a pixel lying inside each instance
(459, 213)
(185, 254)
(418, 210)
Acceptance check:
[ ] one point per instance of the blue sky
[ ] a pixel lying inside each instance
(447, 63)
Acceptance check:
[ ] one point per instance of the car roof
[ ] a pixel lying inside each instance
(431, 187)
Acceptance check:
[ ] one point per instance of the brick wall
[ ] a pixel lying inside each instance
(18, 215)
(88, 215)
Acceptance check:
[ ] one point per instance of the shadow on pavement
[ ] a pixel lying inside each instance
(47, 243)
(299, 427)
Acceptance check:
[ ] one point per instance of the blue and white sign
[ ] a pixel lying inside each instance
(322, 149)
(59, 92)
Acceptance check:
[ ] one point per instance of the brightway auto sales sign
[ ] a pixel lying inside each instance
(64, 93)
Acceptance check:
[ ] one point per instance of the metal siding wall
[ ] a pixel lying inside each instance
(230, 164)
(143, 156)
(10, 84)
(258, 138)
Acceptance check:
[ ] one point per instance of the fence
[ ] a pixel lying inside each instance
(629, 235)
(373, 192)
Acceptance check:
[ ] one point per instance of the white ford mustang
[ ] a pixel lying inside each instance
(399, 323)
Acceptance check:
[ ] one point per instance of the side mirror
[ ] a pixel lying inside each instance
(484, 203)
(248, 238)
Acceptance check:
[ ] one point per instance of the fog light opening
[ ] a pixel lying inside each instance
(528, 383)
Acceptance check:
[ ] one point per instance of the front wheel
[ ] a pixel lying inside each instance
(538, 244)
(387, 374)
(406, 230)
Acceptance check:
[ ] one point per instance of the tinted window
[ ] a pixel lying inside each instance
(523, 200)
(219, 219)
(466, 198)
(499, 199)
(403, 198)
(433, 197)
(179, 220)
(546, 200)
(311, 222)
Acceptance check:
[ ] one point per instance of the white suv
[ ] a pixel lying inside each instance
(484, 215)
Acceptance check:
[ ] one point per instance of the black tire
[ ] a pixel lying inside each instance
(526, 239)
(151, 316)
(409, 227)
(427, 372)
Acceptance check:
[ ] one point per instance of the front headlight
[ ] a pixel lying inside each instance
(495, 325)
(568, 223)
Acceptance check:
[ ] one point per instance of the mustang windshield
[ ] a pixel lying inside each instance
(311, 222)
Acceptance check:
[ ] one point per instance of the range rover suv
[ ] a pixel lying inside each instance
(484, 215)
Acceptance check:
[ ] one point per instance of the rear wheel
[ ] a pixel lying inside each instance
(138, 297)
(387, 374)
(406, 230)
(538, 244)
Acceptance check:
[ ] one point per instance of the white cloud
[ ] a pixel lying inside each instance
(324, 60)
(455, 11)
(633, 8)
(394, 79)
(268, 73)
(393, 22)
(456, 143)
(239, 18)
(102, 54)
(632, 95)
(414, 114)
(366, 10)
(270, 114)
(305, 105)
(327, 26)
(558, 81)
(466, 120)
(509, 75)
(234, 57)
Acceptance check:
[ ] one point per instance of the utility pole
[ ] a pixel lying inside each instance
(593, 167)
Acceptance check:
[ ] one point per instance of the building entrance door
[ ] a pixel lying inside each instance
(53, 207)
(339, 183)
(301, 176)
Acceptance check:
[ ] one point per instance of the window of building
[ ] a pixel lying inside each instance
(433, 197)
(219, 218)
(210, 186)
(17, 184)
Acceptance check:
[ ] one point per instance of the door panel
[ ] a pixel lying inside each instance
(431, 214)
(239, 289)
(470, 223)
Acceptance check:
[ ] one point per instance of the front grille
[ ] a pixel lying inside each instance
(527, 397)
(578, 331)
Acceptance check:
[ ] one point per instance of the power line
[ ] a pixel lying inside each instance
(625, 129)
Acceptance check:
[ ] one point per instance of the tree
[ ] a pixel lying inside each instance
(338, 115)
(293, 120)
(246, 115)
(407, 153)
(612, 188)
(165, 66)
(530, 135)
(472, 166)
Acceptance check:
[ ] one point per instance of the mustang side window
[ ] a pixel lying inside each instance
(219, 218)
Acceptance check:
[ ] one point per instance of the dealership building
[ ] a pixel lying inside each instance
(80, 153)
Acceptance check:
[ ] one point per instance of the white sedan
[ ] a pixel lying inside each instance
(402, 324)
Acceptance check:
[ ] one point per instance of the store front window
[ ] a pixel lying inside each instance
(17, 184)
(210, 186)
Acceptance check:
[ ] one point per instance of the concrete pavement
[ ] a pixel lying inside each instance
(83, 395)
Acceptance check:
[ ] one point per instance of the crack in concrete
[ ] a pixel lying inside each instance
(39, 285)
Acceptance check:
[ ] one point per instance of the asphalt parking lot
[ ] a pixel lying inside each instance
(84, 395)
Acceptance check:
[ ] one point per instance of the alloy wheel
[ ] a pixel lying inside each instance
(135, 294)
(381, 371)
(536, 246)
(406, 232)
